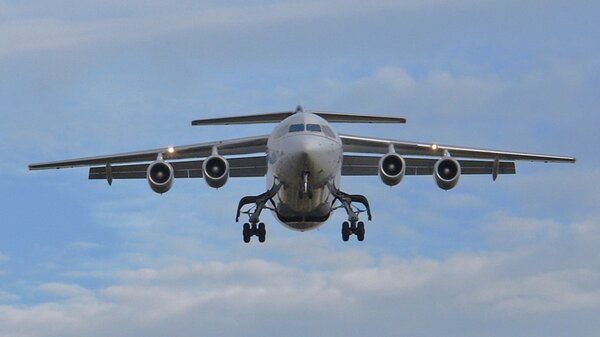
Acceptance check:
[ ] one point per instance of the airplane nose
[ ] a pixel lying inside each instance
(304, 149)
(315, 155)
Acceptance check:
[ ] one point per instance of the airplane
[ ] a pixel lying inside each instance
(303, 160)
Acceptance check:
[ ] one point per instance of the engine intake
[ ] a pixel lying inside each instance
(160, 176)
(216, 171)
(446, 172)
(391, 169)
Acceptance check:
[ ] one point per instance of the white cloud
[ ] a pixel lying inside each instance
(546, 292)
(48, 32)
(85, 245)
(4, 257)
(260, 295)
(186, 275)
(70, 291)
(8, 297)
(501, 228)
(588, 230)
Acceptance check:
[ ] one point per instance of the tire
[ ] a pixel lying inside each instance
(246, 232)
(360, 231)
(262, 232)
(345, 231)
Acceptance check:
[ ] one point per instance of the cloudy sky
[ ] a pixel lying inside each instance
(515, 257)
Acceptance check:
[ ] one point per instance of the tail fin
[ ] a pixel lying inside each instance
(276, 117)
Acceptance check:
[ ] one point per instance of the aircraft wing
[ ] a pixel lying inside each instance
(358, 144)
(238, 167)
(369, 166)
(239, 146)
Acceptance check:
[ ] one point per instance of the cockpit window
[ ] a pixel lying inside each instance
(328, 132)
(313, 127)
(296, 127)
(280, 131)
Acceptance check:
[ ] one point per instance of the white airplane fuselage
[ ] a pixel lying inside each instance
(304, 156)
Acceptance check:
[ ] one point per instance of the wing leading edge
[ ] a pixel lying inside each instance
(358, 144)
(239, 146)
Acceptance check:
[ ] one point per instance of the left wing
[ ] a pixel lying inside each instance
(236, 146)
(358, 144)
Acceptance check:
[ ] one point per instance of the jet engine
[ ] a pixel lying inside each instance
(160, 176)
(391, 169)
(446, 172)
(216, 171)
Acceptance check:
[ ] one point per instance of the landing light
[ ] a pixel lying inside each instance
(171, 149)
(434, 147)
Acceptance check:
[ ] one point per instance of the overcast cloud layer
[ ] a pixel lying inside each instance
(515, 257)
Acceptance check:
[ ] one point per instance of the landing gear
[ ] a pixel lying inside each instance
(355, 228)
(353, 225)
(251, 230)
(260, 202)
(247, 232)
(261, 233)
(346, 231)
(360, 231)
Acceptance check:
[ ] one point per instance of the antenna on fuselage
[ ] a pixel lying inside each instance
(299, 109)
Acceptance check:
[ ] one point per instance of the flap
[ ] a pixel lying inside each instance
(369, 166)
(238, 167)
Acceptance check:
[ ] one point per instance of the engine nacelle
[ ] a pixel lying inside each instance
(216, 171)
(391, 169)
(446, 172)
(160, 176)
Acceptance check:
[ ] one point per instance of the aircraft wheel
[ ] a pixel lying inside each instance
(360, 231)
(345, 231)
(262, 232)
(246, 232)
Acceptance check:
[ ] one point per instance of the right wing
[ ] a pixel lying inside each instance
(238, 167)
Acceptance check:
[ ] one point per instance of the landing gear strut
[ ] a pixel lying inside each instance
(255, 227)
(353, 225)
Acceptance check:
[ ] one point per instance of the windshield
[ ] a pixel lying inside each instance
(313, 127)
(296, 127)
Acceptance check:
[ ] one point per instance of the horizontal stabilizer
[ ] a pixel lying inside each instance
(334, 117)
(276, 117)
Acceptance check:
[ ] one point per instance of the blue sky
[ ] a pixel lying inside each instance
(515, 257)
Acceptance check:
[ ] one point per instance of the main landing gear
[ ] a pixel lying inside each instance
(353, 225)
(357, 228)
(254, 226)
(251, 230)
